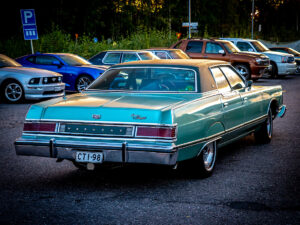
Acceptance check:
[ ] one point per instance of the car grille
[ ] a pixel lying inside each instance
(52, 92)
(96, 129)
(51, 80)
(290, 59)
(265, 62)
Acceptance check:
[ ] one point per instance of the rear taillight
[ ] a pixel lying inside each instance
(156, 132)
(39, 127)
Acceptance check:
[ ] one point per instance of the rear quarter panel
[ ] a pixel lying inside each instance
(198, 121)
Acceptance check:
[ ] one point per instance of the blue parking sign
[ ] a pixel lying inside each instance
(29, 24)
(28, 17)
(30, 32)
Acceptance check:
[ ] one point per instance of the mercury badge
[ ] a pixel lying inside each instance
(96, 116)
(138, 117)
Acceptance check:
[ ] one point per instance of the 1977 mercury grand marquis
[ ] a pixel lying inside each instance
(158, 112)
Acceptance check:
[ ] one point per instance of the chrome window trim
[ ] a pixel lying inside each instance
(145, 67)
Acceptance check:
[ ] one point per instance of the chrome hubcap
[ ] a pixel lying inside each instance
(13, 92)
(83, 82)
(209, 156)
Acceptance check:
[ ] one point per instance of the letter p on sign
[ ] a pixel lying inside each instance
(28, 17)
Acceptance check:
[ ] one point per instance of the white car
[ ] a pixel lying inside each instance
(18, 83)
(282, 63)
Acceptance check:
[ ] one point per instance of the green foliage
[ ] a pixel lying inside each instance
(58, 41)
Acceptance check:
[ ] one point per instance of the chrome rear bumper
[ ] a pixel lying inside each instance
(120, 153)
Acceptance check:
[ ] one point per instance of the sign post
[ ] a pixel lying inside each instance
(29, 26)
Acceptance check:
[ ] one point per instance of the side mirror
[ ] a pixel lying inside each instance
(250, 50)
(222, 52)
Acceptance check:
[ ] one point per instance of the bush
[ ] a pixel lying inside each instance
(58, 41)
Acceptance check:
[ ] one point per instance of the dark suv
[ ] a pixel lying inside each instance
(249, 65)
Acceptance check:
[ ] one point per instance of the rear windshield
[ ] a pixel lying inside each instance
(178, 54)
(146, 80)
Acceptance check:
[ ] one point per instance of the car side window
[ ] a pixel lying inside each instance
(194, 46)
(234, 79)
(98, 58)
(45, 60)
(128, 57)
(220, 79)
(162, 55)
(31, 59)
(112, 58)
(213, 48)
(244, 46)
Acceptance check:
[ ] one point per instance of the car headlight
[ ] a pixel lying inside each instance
(259, 60)
(284, 59)
(59, 79)
(45, 80)
(34, 81)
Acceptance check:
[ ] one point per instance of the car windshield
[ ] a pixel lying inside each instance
(178, 54)
(294, 52)
(231, 48)
(146, 80)
(147, 56)
(8, 62)
(260, 47)
(74, 60)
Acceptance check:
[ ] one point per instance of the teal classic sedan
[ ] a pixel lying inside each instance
(159, 112)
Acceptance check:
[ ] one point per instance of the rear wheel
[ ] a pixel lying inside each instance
(265, 133)
(82, 82)
(12, 91)
(202, 166)
(243, 70)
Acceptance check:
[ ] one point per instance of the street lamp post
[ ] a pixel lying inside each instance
(189, 18)
(252, 25)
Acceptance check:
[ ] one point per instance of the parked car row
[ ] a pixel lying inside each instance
(18, 83)
(249, 57)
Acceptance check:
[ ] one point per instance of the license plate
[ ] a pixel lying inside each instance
(92, 157)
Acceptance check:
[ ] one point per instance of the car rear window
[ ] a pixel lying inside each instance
(153, 79)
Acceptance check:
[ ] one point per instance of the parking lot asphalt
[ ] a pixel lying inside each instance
(252, 184)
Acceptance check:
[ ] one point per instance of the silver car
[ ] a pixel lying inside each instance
(18, 83)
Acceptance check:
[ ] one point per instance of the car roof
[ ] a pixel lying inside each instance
(161, 49)
(206, 39)
(125, 50)
(241, 39)
(174, 62)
